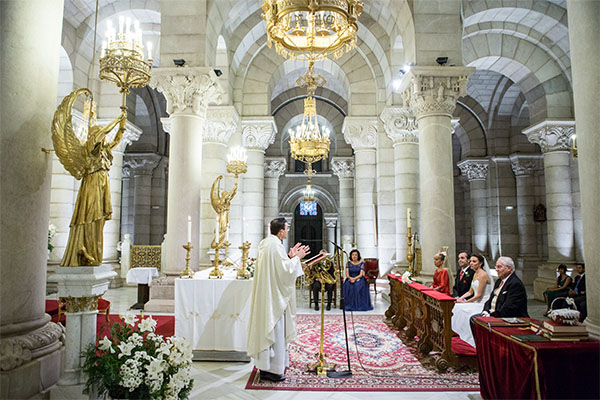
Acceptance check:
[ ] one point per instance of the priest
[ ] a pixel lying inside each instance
(272, 322)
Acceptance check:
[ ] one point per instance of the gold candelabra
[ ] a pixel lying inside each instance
(242, 272)
(187, 271)
(409, 254)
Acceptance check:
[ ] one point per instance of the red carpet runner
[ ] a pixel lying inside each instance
(390, 364)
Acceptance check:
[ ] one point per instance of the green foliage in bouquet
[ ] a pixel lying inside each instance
(136, 363)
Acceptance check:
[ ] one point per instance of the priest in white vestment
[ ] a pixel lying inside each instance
(272, 322)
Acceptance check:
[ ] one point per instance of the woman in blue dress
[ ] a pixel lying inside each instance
(356, 287)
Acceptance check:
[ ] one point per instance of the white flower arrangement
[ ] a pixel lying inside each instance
(250, 266)
(406, 277)
(136, 363)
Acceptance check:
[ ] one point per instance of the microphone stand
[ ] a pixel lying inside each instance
(339, 258)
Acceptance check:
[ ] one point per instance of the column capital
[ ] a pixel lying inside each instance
(525, 164)
(475, 169)
(330, 220)
(434, 90)
(400, 124)
(258, 133)
(187, 90)
(289, 217)
(275, 167)
(221, 123)
(360, 132)
(141, 163)
(551, 135)
(343, 167)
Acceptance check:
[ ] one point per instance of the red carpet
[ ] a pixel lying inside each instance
(389, 364)
(165, 324)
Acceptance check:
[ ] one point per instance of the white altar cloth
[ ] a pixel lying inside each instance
(212, 314)
(142, 275)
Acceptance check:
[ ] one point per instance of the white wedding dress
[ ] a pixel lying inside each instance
(462, 312)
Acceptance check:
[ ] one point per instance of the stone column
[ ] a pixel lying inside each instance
(330, 225)
(257, 135)
(523, 167)
(141, 167)
(221, 123)
(30, 350)
(554, 138)
(432, 93)
(476, 171)
(274, 168)
(126, 197)
(584, 30)
(343, 168)
(401, 127)
(361, 134)
(188, 92)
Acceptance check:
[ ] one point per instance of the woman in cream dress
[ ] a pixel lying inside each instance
(480, 290)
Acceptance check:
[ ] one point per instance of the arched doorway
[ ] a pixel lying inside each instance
(308, 229)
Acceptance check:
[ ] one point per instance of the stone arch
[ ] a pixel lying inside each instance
(294, 195)
(471, 133)
(65, 76)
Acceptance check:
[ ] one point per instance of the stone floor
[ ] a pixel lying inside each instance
(226, 380)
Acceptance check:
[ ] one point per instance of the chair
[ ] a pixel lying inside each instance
(372, 271)
(333, 297)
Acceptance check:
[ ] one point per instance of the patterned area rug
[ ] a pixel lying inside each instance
(389, 364)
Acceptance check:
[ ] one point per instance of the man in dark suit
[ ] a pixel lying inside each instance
(509, 298)
(577, 291)
(464, 275)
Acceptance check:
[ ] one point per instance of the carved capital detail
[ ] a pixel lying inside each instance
(221, 123)
(331, 222)
(275, 167)
(187, 90)
(523, 165)
(80, 304)
(551, 135)
(343, 167)
(400, 125)
(17, 350)
(434, 90)
(141, 164)
(360, 132)
(258, 133)
(474, 169)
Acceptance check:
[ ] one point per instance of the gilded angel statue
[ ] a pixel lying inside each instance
(90, 161)
(221, 203)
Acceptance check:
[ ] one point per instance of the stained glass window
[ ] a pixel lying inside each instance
(308, 208)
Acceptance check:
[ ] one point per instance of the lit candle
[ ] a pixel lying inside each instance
(408, 217)
(244, 229)
(189, 229)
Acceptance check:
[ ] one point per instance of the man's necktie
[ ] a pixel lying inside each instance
(462, 273)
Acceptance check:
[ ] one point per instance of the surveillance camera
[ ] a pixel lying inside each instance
(441, 60)
(179, 62)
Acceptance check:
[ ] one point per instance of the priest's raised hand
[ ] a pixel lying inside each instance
(299, 250)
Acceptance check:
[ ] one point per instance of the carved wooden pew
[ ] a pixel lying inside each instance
(426, 314)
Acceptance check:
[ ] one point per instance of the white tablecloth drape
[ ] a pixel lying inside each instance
(141, 275)
(212, 314)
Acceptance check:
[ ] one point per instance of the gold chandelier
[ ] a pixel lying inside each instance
(122, 60)
(311, 30)
(309, 143)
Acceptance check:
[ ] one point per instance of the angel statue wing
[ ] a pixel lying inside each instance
(69, 149)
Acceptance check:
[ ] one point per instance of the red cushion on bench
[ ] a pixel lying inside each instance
(438, 295)
(419, 286)
(462, 348)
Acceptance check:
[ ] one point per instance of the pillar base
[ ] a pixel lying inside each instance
(546, 277)
(592, 328)
(162, 294)
(527, 269)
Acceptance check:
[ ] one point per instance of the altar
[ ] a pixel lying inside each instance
(212, 314)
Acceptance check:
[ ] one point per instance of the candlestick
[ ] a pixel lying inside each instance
(187, 271)
(189, 229)
(408, 218)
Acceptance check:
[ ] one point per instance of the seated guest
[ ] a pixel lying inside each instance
(464, 275)
(316, 288)
(509, 298)
(561, 289)
(577, 291)
(472, 301)
(441, 279)
(356, 287)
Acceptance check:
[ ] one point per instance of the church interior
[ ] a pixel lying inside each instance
(449, 125)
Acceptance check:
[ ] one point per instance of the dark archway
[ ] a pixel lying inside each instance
(308, 229)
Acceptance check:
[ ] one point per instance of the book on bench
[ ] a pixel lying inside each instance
(493, 321)
(316, 259)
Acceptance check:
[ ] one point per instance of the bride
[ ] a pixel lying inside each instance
(480, 290)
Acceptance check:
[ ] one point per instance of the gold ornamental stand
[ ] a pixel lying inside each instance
(187, 271)
(216, 273)
(409, 254)
(242, 273)
(321, 366)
